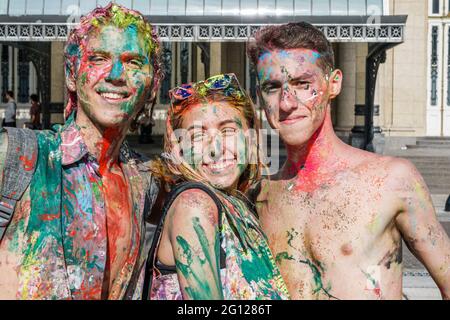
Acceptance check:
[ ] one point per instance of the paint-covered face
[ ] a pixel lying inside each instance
(115, 76)
(295, 93)
(215, 142)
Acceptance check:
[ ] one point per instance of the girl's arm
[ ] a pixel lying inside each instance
(194, 237)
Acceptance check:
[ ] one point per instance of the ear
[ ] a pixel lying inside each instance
(71, 83)
(262, 102)
(335, 83)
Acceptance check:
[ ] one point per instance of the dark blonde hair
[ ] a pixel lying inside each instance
(173, 167)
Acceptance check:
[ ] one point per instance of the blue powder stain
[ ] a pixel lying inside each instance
(284, 54)
(315, 56)
(265, 55)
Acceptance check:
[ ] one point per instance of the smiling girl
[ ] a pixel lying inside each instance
(208, 244)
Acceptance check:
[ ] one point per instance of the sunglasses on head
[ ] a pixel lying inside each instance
(226, 83)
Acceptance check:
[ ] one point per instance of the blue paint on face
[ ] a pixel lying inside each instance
(265, 55)
(283, 54)
(315, 56)
(116, 70)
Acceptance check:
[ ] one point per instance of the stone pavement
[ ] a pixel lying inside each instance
(417, 283)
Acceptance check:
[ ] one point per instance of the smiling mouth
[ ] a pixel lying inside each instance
(114, 96)
(220, 166)
(293, 120)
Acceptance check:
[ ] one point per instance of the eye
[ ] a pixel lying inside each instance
(97, 59)
(135, 63)
(270, 89)
(228, 131)
(305, 85)
(197, 136)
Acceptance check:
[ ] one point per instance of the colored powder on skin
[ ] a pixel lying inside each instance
(314, 56)
(316, 268)
(193, 270)
(116, 191)
(375, 284)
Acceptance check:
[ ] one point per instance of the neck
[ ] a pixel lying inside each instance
(319, 153)
(103, 143)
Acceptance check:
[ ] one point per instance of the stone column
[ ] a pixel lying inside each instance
(345, 102)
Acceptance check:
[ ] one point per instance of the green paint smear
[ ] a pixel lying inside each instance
(195, 268)
(316, 267)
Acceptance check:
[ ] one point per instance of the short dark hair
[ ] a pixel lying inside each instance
(292, 35)
(34, 97)
(10, 93)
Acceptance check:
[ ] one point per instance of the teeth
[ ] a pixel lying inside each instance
(111, 95)
(220, 166)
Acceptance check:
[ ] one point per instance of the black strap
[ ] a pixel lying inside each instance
(177, 190)
(18, 170)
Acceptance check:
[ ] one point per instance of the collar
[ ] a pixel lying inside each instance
(73, 147)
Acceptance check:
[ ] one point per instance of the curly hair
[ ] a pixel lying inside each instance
(120, 17)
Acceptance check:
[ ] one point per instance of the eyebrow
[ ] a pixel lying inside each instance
(97, 51)
(222, 123)
(125, 54)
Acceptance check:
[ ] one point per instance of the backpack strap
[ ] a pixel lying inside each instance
(151, 258)
(18, 170)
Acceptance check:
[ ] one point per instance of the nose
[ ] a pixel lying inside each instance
(288, 102)
(215, 147)
(116, 75)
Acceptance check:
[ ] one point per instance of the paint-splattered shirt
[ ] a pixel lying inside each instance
(250, 272)
(56, 244)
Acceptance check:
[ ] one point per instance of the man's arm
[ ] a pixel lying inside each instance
(419, 226)
(194, 237)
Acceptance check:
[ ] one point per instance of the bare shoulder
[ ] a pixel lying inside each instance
(193, 203)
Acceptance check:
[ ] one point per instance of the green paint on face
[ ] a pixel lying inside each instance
(83, 78)
(238, 122)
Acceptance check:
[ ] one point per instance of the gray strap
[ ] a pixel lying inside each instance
(18, 170)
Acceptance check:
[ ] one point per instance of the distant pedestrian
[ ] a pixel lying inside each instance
(35, 113)
(11, 109)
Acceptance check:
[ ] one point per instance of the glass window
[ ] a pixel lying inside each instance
(321, 7)
(3, 6)
(194, 7)
(231, 7)
(125, 3)
(375, 7)
(339, 7)
(17, 7)
(68, 6)
(303, 7)
(159, 7)
(103, 3)
(143, 6)
(285, 7)
(35, 7)
(266, 7)
(213, 7)
(356, 7)
(436, 6)
(87, 6)
(249, 7)
(177, 7)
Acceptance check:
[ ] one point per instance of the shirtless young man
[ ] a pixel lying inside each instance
(335, 215)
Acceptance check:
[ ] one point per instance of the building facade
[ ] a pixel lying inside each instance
(407, 41)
